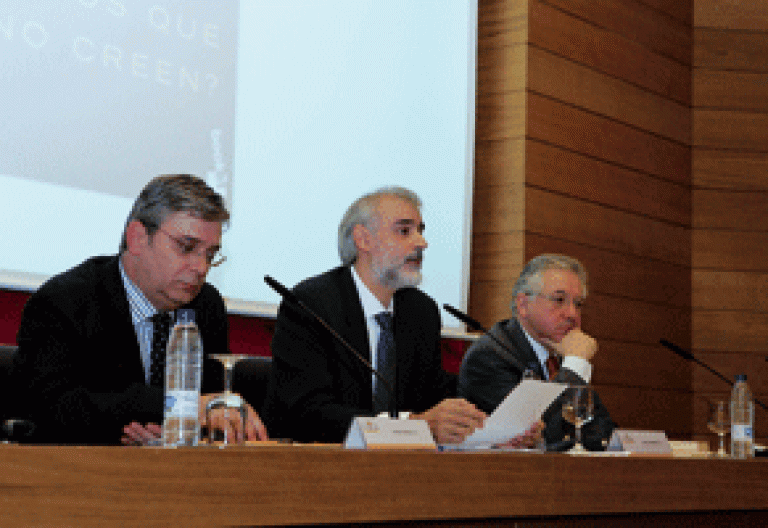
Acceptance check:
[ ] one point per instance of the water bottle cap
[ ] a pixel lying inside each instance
(741, 377)
(185, 315)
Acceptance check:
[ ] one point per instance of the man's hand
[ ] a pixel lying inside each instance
(136, 434)
(575, 343)
(529, 439)
(228, 420)
(452, 420)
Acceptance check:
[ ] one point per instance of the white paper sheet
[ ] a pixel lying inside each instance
(515, 414)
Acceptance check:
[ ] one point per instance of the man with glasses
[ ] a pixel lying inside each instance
(543, 339)
(91, 350)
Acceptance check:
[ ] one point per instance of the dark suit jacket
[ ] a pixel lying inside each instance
(485, 379)
(78, 371)
(317, 386)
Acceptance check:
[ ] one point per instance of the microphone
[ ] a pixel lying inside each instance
(291, 297)
(689, 357)
(505, 352)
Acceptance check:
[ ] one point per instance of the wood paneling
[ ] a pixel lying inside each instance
(499, 209)
(501, 70)
(743, 14)
(622, 275)
(599, 137)
(605, 161)
(633, 365)
(500, 116)
(498, 203)
(499, 163)
(584, 87)
(649, 409)
(729, 364)
(558, 216)
(730, 210)
(619, 319)
(717, 49)
(731, 130)
(589, 179)
(730, 290)
(605, 51)
(637, 22)
(730, 330)
(730, 250)
(680, 10)
(734, 90)
(747, 171)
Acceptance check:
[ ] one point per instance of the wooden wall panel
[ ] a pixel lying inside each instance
(730, 290)
(498, 205)
(616, 55)
(722, 169)
(717, 209)
(682, 10)
(641, 408)
(558, 216)
(649, 27)
(604, 164)
(731, 130)
(594, 180)
(565, 80)
(734, 90)
(733, 331)
(622, 275)
(718, 49)
(730, 250)
(602, 138)
(740, 14)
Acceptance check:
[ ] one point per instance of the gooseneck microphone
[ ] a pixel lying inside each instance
(503, 352)
(689, 357)
(291, 297)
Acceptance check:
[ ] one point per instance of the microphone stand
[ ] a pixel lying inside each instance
(292, 298)
(688, 356)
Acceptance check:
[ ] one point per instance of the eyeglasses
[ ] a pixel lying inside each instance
(188, 246)
(562, 302)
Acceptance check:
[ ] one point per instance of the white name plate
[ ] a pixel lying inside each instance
(388, 433)
(640, 442)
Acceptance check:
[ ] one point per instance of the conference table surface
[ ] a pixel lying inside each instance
(296, 485)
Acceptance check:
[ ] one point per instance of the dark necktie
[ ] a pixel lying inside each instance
(385, 362)
(553, 366)
(161, 327)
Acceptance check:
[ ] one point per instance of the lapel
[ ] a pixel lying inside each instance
(117, 326)
(351, 324)
(514, 332)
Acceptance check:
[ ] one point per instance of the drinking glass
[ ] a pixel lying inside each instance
(578, 409)
(229, 402)
(719, 423)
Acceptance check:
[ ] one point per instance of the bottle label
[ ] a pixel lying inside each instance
(741, 432)
(181, 403)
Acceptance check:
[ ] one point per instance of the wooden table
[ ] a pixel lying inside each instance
(249, 486)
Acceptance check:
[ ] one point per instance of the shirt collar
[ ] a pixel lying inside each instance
(371, 305)
(141, 308)
(541, 352)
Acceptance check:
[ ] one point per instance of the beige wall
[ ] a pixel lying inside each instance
(583, 147)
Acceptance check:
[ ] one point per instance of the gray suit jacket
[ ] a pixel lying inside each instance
(485, 378)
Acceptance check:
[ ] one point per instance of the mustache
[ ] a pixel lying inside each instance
(416, 255)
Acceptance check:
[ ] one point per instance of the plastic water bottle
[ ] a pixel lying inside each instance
(742, 419)
(183, 375)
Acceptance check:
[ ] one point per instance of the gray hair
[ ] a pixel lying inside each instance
(529, 281)
(362, 212)
(174, 193)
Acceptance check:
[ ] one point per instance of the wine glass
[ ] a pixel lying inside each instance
(578, 408)
(229, 402)
(719, 423)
